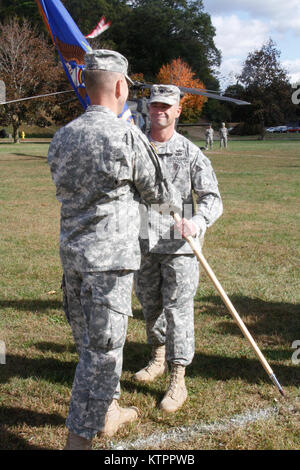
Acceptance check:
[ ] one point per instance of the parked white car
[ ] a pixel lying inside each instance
(279, 129)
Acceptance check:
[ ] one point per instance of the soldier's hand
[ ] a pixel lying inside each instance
(186, 228)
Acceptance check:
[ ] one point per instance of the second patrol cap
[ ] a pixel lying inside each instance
(104, 59)
(168, 94)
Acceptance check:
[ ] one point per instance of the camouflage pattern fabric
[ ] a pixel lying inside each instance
(209, 134)
(166, 286)
(168, 94)
(104, 59)
(102, 166)
(98, 306)
(106, 288)
(223, 136)
(168, 278)
(190, 171)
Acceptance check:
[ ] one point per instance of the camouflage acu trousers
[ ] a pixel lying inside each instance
(165, 286)
(209, 142)
(97, 307)
(223, 141)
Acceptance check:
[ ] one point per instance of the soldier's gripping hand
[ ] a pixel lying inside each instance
(187, 228)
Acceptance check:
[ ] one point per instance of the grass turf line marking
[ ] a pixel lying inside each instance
(182, 434)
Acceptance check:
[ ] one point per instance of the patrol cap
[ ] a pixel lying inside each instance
(168, 94)
(103, 59)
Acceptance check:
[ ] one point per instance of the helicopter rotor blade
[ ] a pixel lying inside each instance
(140, 85)
(37, 96)
(196, 91)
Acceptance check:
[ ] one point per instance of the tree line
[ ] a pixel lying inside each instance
(265, 84)
(151, 34)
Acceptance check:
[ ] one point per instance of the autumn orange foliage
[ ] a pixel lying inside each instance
(179, 73)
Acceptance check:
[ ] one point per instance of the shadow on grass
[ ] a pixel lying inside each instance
(47, 346)
(156, 389)
(217, 367)
(30, 157)
(10, 441)
(48, 369)
(136, 356)
(250, 370)
(276, 319)
(267, 319)
(22, 159)
(138, 313)
(14, 416)
(33, 305)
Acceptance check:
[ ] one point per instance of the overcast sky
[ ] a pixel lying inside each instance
(244, 25)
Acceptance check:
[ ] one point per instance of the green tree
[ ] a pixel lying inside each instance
(148, 32)
(159, 31)
(86, 13)
(153, 32)
(20, 9)
(267, 88)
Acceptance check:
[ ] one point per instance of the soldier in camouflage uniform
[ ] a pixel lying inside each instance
(209, 134)
(168, 278)
(102, 166)
(223, 135)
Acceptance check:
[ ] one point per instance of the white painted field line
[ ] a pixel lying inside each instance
(182, 434)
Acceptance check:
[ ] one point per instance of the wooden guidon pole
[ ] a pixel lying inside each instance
(231, 308)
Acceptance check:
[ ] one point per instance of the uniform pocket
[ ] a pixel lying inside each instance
(107, 329)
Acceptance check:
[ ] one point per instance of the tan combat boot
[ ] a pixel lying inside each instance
(157, 366)
(116, 417)
(177, 392)
(75, 442)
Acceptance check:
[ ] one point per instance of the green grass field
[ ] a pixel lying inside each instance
(254, 251)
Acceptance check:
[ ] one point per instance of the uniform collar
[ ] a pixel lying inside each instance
(165, 147)
(100, 109)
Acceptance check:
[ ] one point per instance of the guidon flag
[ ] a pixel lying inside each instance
(71, 45)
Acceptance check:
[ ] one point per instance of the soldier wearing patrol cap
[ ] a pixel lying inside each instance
(168, 278)
(102, 166)
(223, 135)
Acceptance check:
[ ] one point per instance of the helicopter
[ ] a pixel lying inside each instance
(71, 46)
(138, 106)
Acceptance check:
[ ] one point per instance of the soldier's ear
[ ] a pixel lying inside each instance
(179, 109)
(118, 88)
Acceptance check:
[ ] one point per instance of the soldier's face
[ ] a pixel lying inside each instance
(163, 115)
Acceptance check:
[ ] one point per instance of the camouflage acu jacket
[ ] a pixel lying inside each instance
(102, 166)
(191, 173)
